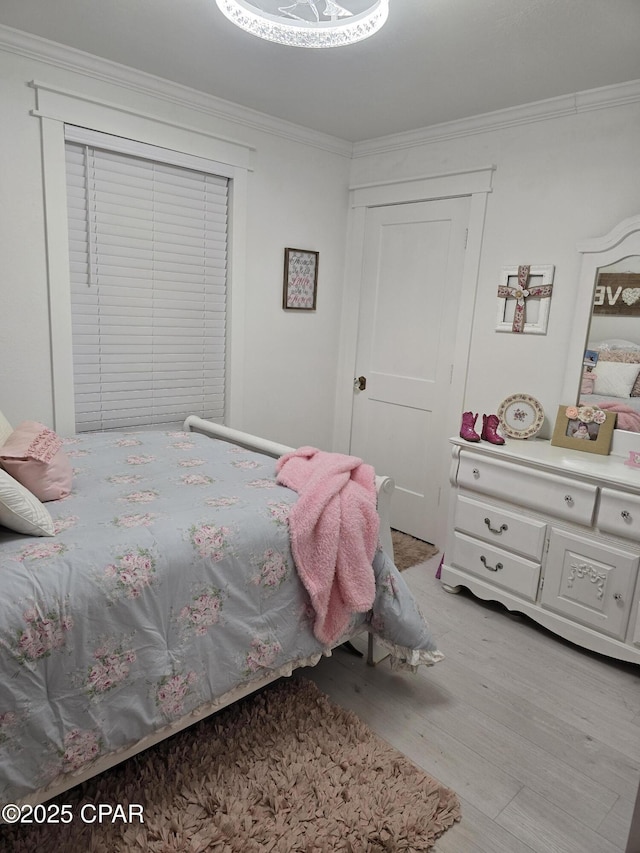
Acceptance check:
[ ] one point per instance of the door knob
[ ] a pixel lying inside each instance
(360, 383)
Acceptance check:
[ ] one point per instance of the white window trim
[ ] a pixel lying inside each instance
(165, 187)
(233, 163)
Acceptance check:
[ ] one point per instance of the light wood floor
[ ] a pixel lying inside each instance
(540, 739)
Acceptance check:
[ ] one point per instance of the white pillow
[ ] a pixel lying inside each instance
(21, 511)
(615, 378)
(5, 429)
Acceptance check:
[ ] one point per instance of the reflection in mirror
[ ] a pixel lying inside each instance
(617, 252)
(611, 364)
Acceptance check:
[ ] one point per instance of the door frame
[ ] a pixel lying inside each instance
(475, 183)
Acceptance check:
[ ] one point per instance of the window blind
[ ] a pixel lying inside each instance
(148, 257)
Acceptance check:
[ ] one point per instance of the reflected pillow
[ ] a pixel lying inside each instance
(21, 511)
(5, 429)
(588, 383)
(614, 344)
(626, 355)
(615, 378)
(33, 455)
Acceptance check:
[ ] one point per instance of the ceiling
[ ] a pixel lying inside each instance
(434, 61)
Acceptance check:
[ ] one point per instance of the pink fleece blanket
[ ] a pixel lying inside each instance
(334, 534)
(627, 419)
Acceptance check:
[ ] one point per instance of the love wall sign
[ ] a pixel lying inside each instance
(617, 293)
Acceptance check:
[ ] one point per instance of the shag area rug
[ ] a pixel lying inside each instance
(409, 551)
(284, 770)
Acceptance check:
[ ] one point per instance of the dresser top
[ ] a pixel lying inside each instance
(541, 454)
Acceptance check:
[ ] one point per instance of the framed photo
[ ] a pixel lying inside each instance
(300, 280)
(586, 428)
(590, 359)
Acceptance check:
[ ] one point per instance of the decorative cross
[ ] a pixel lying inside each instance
(520, 293)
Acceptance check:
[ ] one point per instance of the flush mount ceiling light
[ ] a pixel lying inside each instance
(307, 23)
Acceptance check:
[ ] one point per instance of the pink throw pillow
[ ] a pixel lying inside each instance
(33, 456)
(588, 383)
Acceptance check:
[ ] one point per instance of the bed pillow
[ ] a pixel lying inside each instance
(33, 455)
(5, 429)
(630, 356)
(21, 511)
(627, 355)
(588, 383)
(614, 378)
(614, 344)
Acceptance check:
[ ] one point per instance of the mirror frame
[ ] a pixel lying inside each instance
(621, 242)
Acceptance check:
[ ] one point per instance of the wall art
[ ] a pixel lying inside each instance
(617, 294)
(300, 280)
(524, 299)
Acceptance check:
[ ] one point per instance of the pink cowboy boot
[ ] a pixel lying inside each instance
(490, 425)
(467, 430)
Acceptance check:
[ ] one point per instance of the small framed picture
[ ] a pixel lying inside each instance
(586, 428)
(590, 359)
(300, 280)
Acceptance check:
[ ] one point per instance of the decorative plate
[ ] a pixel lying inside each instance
(521, 416)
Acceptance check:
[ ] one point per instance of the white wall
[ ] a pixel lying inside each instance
(297, 196)
(558, 181)
(292, 357)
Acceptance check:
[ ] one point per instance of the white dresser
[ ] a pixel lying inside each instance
(551, 533)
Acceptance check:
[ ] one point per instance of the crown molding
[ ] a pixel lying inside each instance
(71, 59)
(592, 99)
(78, 61)
(608, 96)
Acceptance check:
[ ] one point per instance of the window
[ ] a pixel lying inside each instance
(148, 254)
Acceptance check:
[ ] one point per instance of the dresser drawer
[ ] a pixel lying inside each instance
(554, 495)
(619, 513)
(496, 566)
(500, 527)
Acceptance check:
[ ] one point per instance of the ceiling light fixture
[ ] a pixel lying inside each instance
(307, 23)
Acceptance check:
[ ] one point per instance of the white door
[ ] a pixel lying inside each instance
(412, 275)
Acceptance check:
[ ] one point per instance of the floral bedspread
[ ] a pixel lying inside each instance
(169, 582)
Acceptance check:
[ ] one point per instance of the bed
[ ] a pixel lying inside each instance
(611, 380)
(167, 592)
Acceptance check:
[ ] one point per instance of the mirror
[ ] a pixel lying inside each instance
(611, 365)
(604, 356)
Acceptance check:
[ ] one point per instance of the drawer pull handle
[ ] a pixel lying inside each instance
(617, 596)
(495, 568)
(498, 531)
(626, 514)
(476, 472)
(568, 500)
